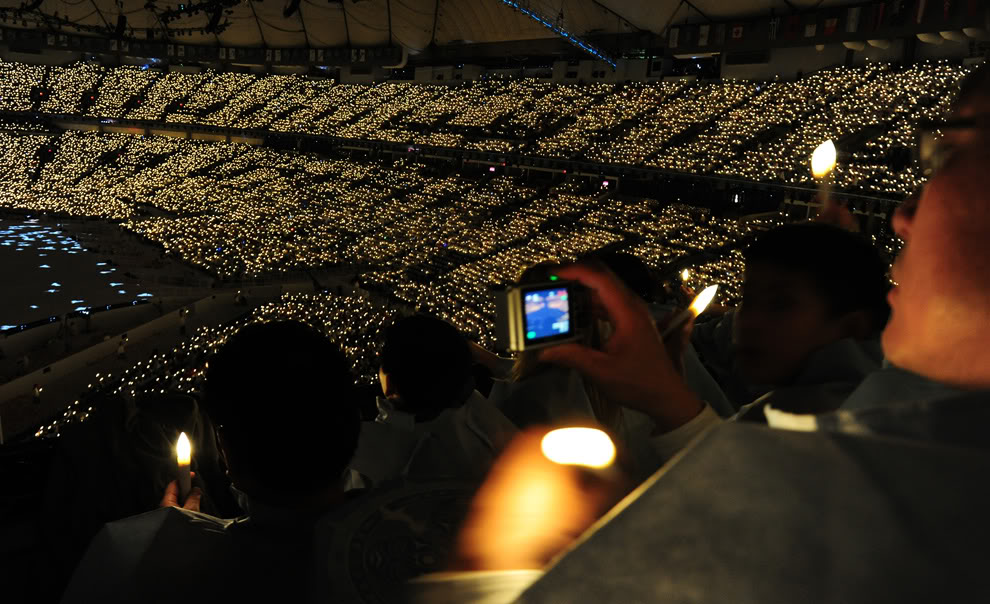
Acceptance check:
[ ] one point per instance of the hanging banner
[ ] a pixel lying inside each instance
(774, 24)
(703, 35)
(852, 20)
(831, 25)
(810, 30)
(793, 27)
(737, 31)
(672, 38)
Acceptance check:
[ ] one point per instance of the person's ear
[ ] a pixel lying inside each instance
(388, 386)
(856, 324)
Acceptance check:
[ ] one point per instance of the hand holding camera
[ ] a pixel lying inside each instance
(634, 367)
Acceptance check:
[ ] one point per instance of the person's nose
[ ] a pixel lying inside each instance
(903, 217)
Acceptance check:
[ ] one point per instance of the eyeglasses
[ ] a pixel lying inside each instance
(931, 151)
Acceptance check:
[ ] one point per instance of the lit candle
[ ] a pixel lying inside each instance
(698, 306)
(685, 275)
(183, 453)
(587, 447)
(822, 164)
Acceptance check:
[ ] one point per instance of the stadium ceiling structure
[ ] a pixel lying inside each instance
(414, 24)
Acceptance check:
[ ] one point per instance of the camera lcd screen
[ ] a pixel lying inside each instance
(548, 313)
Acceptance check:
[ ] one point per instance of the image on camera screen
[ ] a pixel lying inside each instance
(547, 313)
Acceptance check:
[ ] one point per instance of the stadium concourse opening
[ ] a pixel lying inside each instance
(286, 233)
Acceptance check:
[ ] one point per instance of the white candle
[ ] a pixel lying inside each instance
(587, 447)
(698, 306)
(822, 164)
(183, 453)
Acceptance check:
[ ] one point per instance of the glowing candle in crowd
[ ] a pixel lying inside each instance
(698, 306)
(822, 165)
(587, 447)
(685, 275)
(183, 453)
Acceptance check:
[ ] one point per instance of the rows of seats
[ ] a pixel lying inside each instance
(758, 130)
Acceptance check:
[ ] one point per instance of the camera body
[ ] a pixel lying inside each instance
(542, 314)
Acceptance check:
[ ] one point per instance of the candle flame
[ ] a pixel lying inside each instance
(579, 447)
(183, 450)
(702, 300)
(823, 159)
(685, 275)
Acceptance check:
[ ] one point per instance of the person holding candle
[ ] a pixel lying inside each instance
(432, 423)
(283, 401)
(814, 303)
(935, 399)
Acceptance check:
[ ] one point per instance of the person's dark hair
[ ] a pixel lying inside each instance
(846, 268)
(429, 363)
(632, 271)
(283, 397)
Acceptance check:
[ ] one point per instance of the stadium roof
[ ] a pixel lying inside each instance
(414, 24)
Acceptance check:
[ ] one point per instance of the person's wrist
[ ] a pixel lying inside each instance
(673, 406)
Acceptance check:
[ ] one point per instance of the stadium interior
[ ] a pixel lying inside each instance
(347, 163)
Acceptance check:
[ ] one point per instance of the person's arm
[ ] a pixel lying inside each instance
(634, 368)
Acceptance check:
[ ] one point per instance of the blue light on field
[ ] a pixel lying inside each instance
(44, 266)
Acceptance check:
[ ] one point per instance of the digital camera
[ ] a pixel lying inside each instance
(542, 314)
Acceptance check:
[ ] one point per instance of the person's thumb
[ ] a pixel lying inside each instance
(192, 501)
(171, 496)
(587, 360)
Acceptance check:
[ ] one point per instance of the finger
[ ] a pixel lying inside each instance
(586, 360)
(171, 497)
(614, 295)
(192, 502)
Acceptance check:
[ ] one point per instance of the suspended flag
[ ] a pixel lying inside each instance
(774, 24)
(793, 26)
(831, 25)
(810, 30)
(703, 35)
(737, 31)
(672, 39)
(852, 20)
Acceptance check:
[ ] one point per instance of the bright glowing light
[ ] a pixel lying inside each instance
(183, 450)
(685, 275)
(823, 159)
(579, 447)
(702, 300)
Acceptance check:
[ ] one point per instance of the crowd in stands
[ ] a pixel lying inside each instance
(758, 130)
(275, 396)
